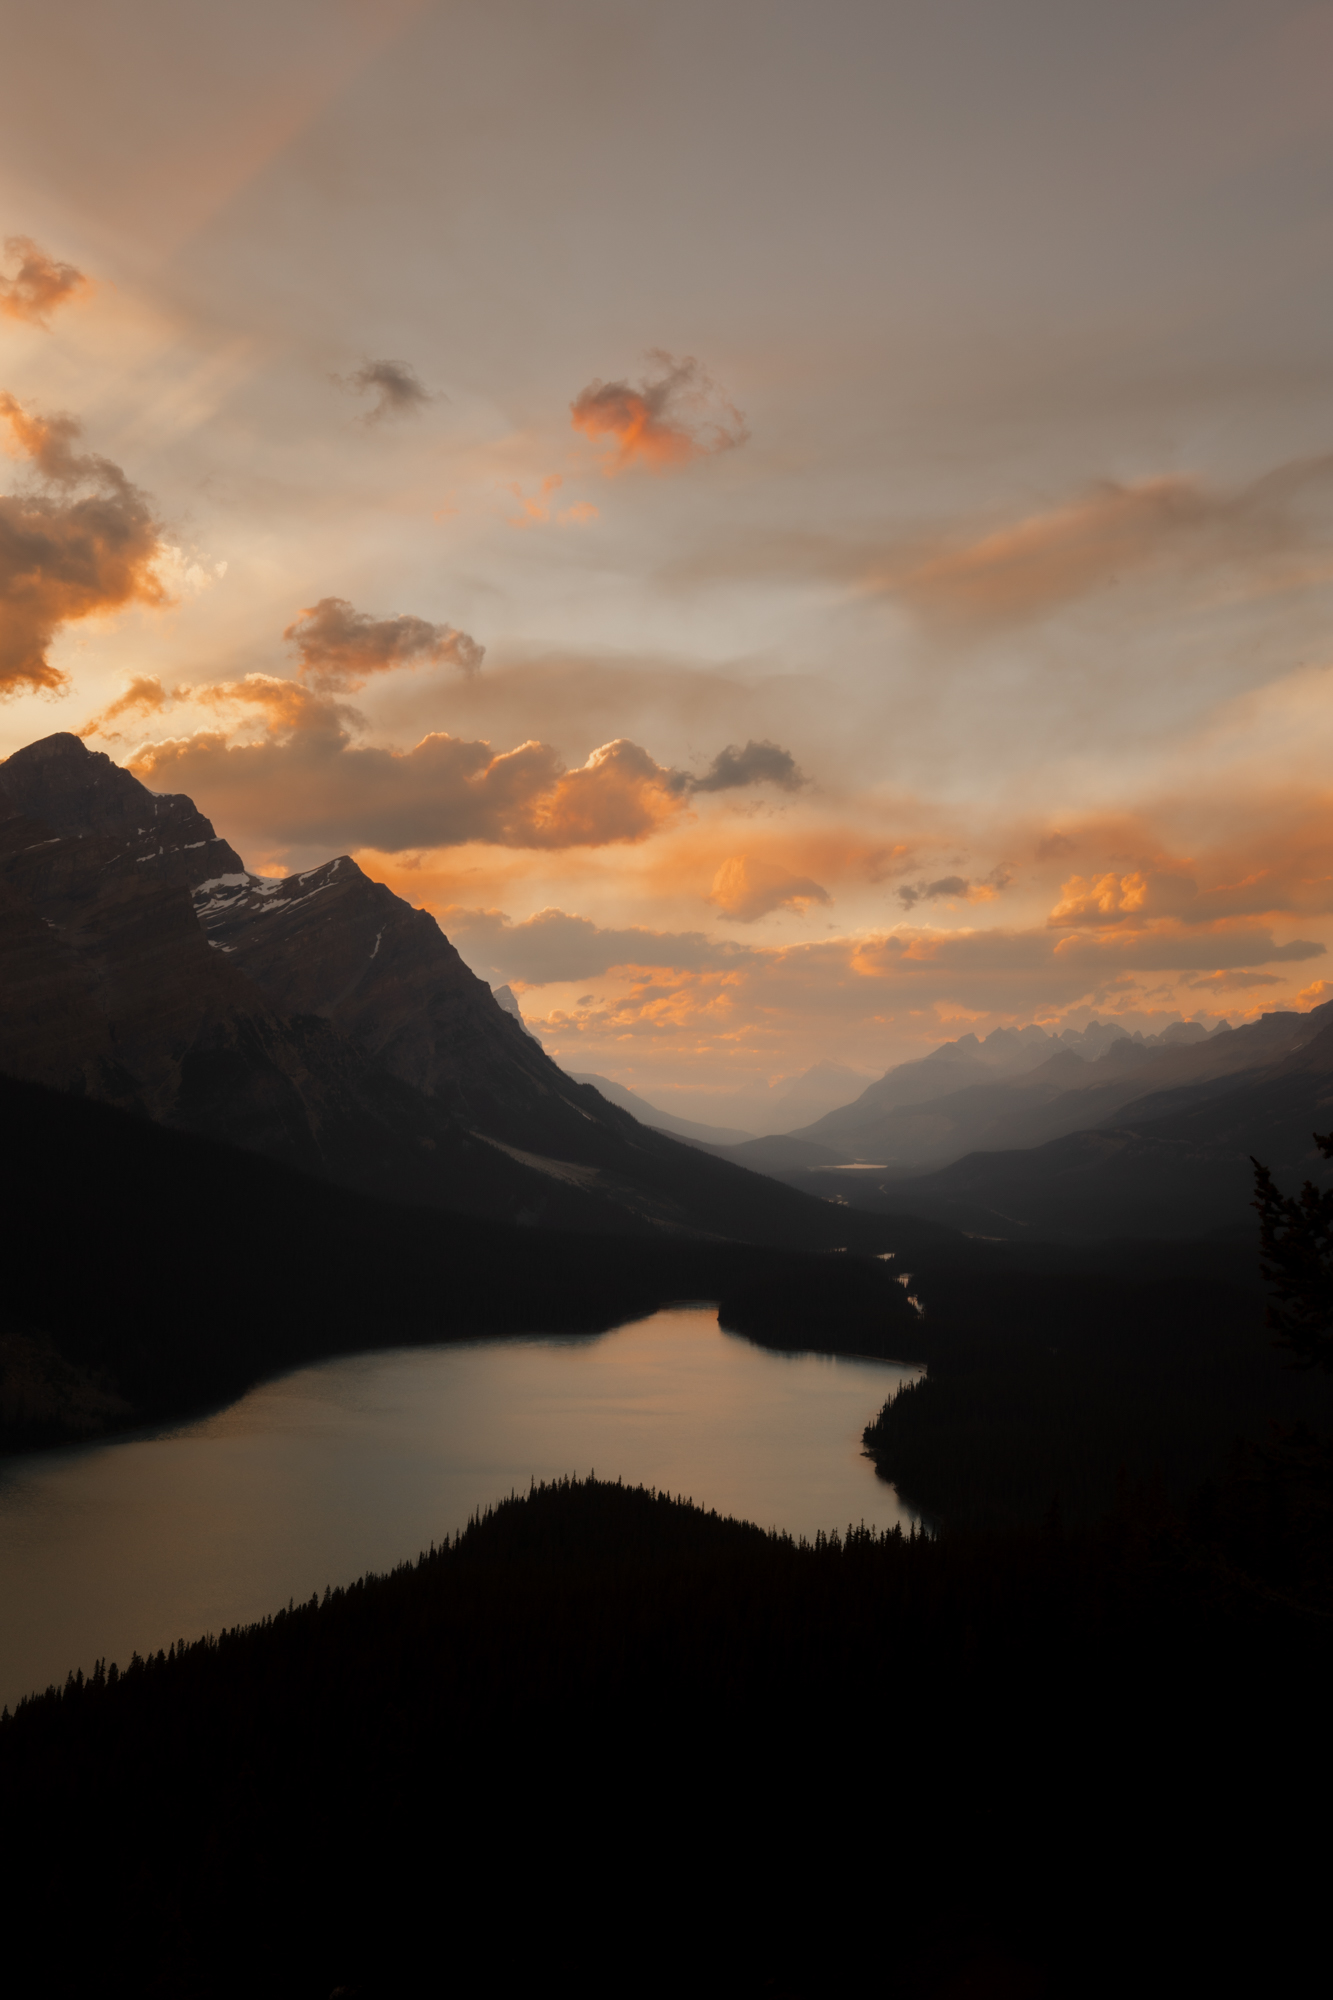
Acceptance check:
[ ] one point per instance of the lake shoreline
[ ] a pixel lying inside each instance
(326, 1471)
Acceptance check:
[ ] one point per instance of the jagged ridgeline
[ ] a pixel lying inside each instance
(607, 1743)
(319, 1020)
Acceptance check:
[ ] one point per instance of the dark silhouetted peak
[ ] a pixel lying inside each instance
(1182, 1032)
(78, 792)
(506, 997)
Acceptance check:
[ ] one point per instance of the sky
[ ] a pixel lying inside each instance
(797, 532)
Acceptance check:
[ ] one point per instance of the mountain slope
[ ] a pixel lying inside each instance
(660, 1121)
(319, 1020)
(1064, 1093)
(1171, 1163)
(952, 1067)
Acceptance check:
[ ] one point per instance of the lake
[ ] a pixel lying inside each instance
(358, 1463)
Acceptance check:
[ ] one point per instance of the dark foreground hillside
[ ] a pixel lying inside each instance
(609, 1744)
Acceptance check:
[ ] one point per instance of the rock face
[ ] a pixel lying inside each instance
(317, 1019)
(77, 792)
(334, 944)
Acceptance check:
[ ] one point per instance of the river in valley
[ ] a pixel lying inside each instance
(356, 1464)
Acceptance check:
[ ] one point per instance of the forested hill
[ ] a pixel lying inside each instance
(607, 1743)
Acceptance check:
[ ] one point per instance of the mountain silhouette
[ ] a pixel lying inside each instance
(317, 1019)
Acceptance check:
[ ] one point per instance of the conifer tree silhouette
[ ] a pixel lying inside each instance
(1296, 1252)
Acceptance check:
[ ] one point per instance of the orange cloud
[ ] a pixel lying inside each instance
(745, 889)
(285, 705)
(68, 554)
(39, 285)
(1275, 855)
(1232, 982)
(341, 647)
(306, 782)
(1112, 532)
(1106, 900)
(671, 418)
(697, 1017)
(144, 695)
(539, 507)
(1271, 533)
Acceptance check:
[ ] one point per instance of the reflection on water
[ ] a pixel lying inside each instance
(358, 1463)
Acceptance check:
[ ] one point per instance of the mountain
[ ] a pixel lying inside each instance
(660, 1121)
(969, 1095)
(317, 1019)
(815, 1092)
(506, 997)
(781, 1153)
(1167, 1161)
(1006, 1052)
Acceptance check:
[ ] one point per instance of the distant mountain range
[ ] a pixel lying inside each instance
(317, 1019)
(1085, 1135)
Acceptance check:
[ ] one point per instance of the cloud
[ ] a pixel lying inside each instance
(673, 417)
(39, 284)
(540, 506)
(757, 764)
(144, 695)
(904, 987)
(1103, 899)
(1232, 982)
(1152, 891)
(306, 782)
(341, 647)
(1172, 947)
(554, 946)
(930, 892)
(956, 888)
(1267, 534)
(745, 890)
(66, 554)
(1112, 532)
(397, 388)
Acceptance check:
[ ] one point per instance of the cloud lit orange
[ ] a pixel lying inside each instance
(1115, 531)
(86, 547)
(745, 889)
(306, 781)
(341, 647)
(145, 695)
(39, 283)
(670, 418)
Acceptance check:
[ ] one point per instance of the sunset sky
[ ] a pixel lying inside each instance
(796, 531)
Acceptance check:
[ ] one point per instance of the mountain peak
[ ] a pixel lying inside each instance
(77, 792)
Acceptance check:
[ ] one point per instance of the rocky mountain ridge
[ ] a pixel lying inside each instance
(318, 1019)
(1022, 1087)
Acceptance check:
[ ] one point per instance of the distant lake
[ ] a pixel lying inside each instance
(358, 1463)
